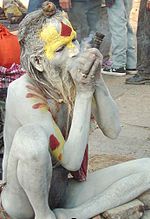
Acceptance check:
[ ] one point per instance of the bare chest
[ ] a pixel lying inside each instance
(61, 116)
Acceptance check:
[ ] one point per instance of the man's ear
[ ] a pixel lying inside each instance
(37, 62)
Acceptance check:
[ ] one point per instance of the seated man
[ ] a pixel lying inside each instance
(48, 113)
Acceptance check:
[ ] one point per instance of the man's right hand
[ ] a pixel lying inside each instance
(84, 68)
(65, 4)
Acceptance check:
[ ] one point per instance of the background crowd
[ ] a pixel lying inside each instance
(129, 54)
(124, 51)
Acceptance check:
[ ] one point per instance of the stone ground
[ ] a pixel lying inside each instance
(134, 140)
(134, 107)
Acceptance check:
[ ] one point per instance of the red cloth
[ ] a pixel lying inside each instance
(7, 75)
(9, 48)
(81, 174)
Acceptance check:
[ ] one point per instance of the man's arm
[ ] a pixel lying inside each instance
(104, 107)
(82, 69)
(106, 111)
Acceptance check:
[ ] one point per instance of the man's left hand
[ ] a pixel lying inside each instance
(65, 4)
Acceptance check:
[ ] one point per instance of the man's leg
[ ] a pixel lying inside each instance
(104, 190)
(93, 14)
(131, 39)
(143, 48)
(103, 27)
(28, 175)
(78, 18)
(143, 41)
(118, 28)
(34, 5)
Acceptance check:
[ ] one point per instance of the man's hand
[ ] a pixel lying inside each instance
(65, 4)
(148, 5)
(84, 69)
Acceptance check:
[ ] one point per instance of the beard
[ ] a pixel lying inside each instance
(56, 83)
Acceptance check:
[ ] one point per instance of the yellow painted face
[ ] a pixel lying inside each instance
(55, 39)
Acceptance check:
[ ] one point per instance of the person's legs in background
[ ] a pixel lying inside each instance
(131, 54)
(84, 16)
(143, 47)
(103, 27)
(118, 16)
(34, 5)
(93, 14)
(77, 16)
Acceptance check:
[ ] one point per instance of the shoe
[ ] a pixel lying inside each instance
(137, 80)
(114, 71)
(131, 71)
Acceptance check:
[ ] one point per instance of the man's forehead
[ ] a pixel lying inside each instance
(61, 24)
(56, 33)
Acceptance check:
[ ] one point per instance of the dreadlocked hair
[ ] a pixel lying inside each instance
(58, 86)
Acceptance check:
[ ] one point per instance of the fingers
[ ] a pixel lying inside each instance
(90, 63)
(86, 64)
(65, 4)
(96, 52)
(85, 68)
(95, 69)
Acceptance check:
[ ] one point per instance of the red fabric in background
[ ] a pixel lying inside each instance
(9, 48)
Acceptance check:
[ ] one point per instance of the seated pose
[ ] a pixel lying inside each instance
(48, 116)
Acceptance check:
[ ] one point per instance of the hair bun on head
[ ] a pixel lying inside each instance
(49, 8)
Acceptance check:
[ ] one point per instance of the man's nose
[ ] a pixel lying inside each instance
(74, 51)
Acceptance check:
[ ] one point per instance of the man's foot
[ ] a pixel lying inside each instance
(114, 71)
(137, 80)
(131, 71)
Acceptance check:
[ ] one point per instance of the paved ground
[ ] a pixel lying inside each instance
(134, 107)
(134, 140)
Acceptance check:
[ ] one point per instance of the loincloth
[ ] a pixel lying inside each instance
(58, 187)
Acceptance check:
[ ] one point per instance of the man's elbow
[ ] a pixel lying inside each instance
(112, 133)
(71, 166)
(72, 163)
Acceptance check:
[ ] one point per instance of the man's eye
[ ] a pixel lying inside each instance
(60, 49)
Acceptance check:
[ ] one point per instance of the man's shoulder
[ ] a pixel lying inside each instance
(22, 81)
(19, 86)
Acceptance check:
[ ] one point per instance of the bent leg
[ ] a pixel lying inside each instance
(29, 175)
(106, 189)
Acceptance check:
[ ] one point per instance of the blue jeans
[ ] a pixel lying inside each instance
(34, 5)
(84, 16)
(123, 39)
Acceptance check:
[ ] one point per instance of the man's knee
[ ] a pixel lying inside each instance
(31, 142)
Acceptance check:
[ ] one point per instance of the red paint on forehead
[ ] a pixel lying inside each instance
(65, 30)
